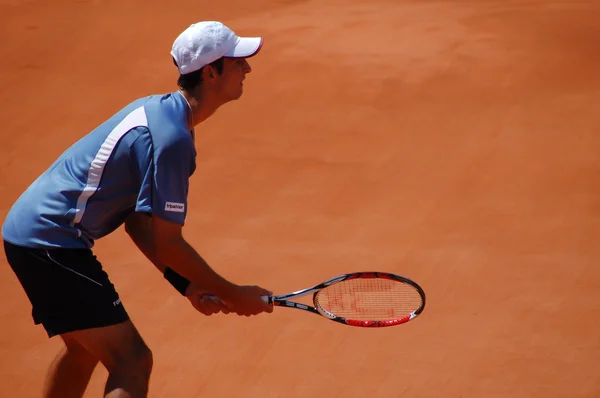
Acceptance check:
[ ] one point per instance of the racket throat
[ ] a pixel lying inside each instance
(291, 304)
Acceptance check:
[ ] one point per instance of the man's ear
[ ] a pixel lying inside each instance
(208, 73)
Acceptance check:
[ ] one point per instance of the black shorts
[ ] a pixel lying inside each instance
(67, 288)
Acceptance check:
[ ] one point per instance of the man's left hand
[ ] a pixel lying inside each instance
(202, 302)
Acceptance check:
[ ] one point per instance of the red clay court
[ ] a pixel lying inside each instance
(453, 142)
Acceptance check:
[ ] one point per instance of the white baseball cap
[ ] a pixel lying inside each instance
(204, 42)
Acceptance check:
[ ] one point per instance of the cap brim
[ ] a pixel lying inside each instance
(246, 47)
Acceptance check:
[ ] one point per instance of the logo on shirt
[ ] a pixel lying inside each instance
(176, 207)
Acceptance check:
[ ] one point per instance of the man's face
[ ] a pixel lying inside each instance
(230, 84)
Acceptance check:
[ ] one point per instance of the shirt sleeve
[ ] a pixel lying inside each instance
(165, 181)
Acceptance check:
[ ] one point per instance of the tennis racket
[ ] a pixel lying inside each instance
(363, 299)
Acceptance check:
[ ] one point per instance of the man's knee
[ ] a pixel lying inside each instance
(137, 361)
(120, 348)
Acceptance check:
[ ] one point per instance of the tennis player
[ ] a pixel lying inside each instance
(132, 170)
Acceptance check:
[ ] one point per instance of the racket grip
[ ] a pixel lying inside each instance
(267, 299)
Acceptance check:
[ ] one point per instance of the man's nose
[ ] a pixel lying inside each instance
(246, 66)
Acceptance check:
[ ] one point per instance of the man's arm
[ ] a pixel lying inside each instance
(139, 228)
(166, 181)
(163, 244)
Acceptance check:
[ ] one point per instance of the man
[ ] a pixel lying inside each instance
(134, 170)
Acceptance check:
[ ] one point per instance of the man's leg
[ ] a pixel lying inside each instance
(72, 297)
(70, 372)
(125, 355)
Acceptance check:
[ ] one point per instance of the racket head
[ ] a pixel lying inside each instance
(370, 299)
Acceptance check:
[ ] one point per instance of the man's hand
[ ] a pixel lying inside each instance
(248, 301)
(200, 300)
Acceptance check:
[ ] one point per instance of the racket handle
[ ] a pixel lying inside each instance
(266, 299)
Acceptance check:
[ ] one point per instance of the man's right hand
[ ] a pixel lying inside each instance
(248, 301)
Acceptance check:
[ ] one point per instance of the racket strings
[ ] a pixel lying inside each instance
(369, 299)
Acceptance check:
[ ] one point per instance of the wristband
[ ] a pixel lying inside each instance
(179, 282)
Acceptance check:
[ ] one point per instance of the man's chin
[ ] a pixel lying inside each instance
(238, 95)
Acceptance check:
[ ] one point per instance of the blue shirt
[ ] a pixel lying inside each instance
(139, 160)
